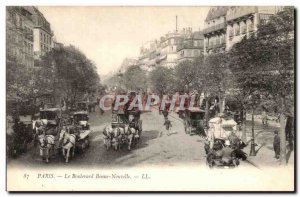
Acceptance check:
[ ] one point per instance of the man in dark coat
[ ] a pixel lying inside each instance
(276, 145)
(168, 125)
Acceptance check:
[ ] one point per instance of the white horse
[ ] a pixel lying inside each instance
(108, 132)
(122, 136)
(116, 138)
(46, 143)
(134, 134)
(68, 143)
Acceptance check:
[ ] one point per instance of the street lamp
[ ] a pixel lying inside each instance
(252, 148)
(254, 100)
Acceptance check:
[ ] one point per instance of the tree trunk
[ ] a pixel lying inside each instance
(243, 119)
(206, 109)
(252, 123)
(282, 136)
(220, 103)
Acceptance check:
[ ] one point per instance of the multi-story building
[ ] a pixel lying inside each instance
(215, 30)
(169, 44)
(192, 47)
(43, 41)
(243, 21)
(164, 51)
(19, 35)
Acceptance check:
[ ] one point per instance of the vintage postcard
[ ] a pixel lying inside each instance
(150, 98)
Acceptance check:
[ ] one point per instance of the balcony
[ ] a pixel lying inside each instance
(243, 29)
(237, 31)
(231, 33)
(239, 12)
(251, 27)
(189, 46)
(216, 45)
(214, 28)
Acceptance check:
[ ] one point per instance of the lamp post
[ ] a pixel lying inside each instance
(252, 148)
(254, 99)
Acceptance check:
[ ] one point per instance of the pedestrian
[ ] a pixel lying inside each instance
(168, 125)
(264, 118)
(276, 145)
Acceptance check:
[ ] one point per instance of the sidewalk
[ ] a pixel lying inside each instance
(264, 136)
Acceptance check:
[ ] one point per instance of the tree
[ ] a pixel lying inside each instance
(67, 71)
(216, 76)
(264, 64)
(277, 39)
(162, 80)
(135, 78)
(185, 75)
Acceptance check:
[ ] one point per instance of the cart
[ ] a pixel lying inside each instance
(194, 121)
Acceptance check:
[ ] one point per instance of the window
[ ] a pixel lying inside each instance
(243, 27)
(251, 25)
(237, 30)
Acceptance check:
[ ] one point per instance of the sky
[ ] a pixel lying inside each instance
(107, 35)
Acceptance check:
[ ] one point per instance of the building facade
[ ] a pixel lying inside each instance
(19, 35)
(43, 36)
(163, 52)
(242, 21)
(215, 30)
(192, 47)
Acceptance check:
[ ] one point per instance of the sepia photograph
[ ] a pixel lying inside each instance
(150, 98)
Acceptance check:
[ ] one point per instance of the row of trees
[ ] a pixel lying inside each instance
(257, 72)
(64, 72)
(67, 71)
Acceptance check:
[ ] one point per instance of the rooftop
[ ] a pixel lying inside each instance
(216, 12)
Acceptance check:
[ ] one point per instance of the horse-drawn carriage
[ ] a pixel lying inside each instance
(80, 119)
(56, 132)
(194, 121)
(21, 136)
(51, 116)
(223, 146)
(81, 106)
(125, 129)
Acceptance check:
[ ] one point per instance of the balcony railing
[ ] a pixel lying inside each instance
(214, 28)
(240, 12)
(251, 27)
(189, 46)
(230, 33)
(237, 31)
(244, 29)
(216, 45)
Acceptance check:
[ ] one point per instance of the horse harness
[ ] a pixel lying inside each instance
(69, 141)
(46, 141)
